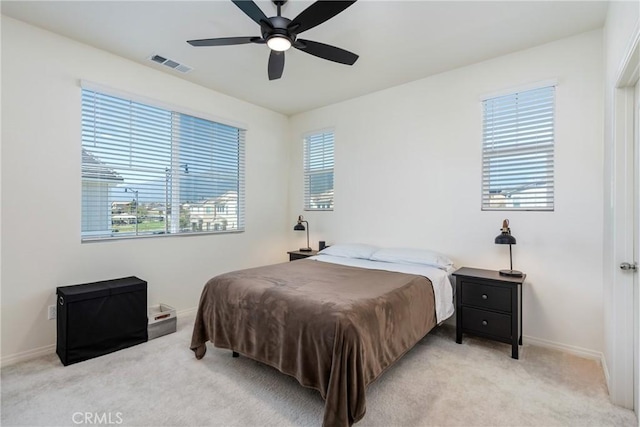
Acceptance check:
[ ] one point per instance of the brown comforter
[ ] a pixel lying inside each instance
(334, 328)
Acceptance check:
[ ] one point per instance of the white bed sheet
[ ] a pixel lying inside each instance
(442, 288)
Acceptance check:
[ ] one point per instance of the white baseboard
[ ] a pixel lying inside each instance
(23, 356)
(27, 355)
(577, 351)
(605, 369)
(187, 312)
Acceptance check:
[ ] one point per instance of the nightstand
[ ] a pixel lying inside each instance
(294, 255)
(489, 305)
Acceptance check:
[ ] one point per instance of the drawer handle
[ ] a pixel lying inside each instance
(484, 296)
(485, 323)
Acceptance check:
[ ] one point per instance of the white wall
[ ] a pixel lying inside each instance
(622, 24)
(41, 187)
(408, 171)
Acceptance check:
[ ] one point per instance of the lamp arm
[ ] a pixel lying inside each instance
(510, 258)
(307, 233)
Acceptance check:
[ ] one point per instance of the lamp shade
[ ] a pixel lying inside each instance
(299, 227)
(505, 239)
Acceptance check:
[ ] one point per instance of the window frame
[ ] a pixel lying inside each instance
(180, 116)
(306, 173)
(548, 166)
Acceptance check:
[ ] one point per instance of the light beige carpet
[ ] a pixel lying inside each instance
(438, 383)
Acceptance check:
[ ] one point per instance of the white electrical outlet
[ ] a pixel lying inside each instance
(52, 312)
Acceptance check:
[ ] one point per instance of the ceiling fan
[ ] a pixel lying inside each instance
(280, 33)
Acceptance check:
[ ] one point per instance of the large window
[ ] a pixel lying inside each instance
(151, 171)
(517, 151)
(318, 171)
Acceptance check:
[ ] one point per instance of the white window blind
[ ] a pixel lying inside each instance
(151, 171)
(518, 150)
(318, 171)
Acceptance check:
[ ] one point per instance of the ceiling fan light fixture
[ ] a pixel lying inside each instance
(281, 33)
(279, 43)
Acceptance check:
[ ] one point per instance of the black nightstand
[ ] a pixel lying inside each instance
(294, 255)
(489, 305)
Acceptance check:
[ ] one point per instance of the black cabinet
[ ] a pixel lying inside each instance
(489, 305)
(294, 255)
(97, 318)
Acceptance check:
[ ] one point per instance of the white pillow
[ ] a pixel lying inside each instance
(412, 256)
(350, 250)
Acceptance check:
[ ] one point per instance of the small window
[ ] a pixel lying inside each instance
(318, 171)
(151, 171)
(517, 151)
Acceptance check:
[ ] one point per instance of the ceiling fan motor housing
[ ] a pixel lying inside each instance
(278, 28)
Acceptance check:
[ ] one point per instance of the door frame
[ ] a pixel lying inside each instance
(621, 378)
(636, 250)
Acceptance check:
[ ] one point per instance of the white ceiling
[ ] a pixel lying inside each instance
(398, 41)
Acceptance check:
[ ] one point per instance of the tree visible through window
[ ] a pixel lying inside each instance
(151, 171)
(318, 171)
(518, 151)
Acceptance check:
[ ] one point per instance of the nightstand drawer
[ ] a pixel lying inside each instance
(486, 296)
(294, 255)
(486, 322)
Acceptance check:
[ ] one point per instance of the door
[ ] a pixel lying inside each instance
(623, 227)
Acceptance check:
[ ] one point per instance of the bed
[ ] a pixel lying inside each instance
(335, 323)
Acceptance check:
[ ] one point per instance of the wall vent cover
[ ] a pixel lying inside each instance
(170, 63)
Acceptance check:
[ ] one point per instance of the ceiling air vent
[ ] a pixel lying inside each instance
(170, 63)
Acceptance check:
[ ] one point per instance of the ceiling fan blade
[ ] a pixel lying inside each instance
(225, 41)
(326, 51)
(276, 65)
(251, 10)
(316, 14)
